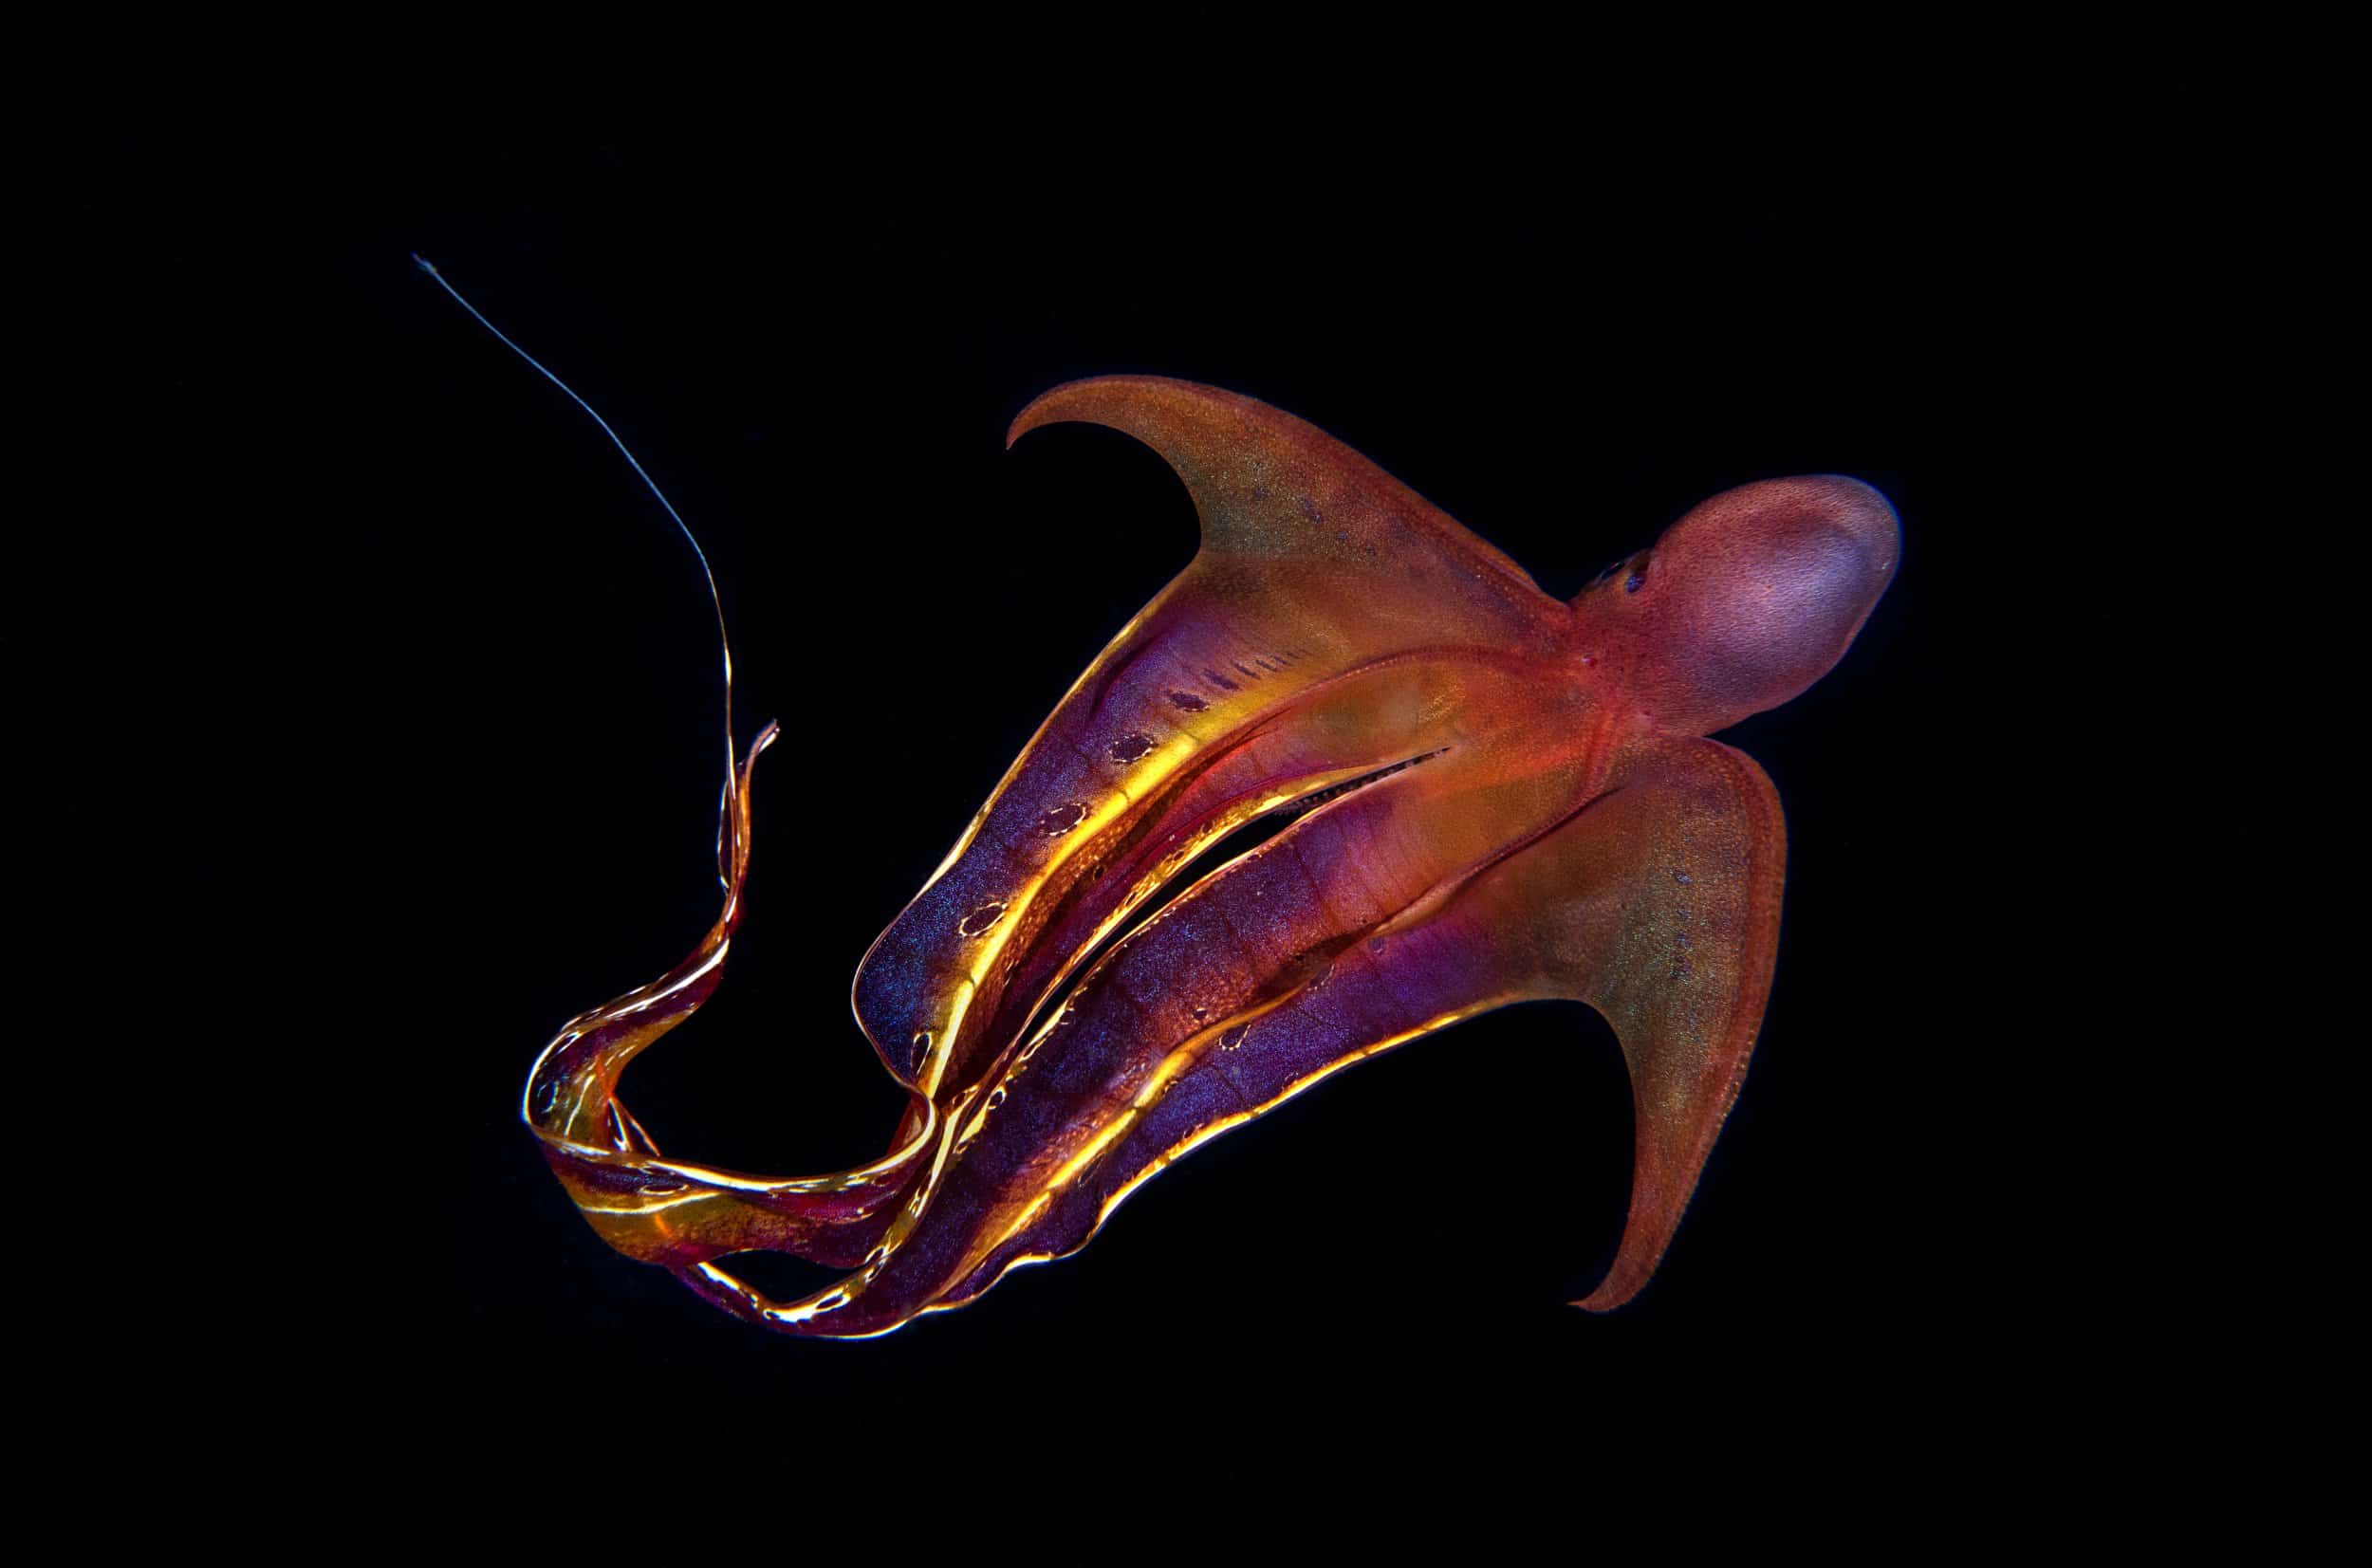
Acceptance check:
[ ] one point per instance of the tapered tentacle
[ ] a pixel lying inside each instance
(647, 1207)
(666, 1211)
(1314, 564)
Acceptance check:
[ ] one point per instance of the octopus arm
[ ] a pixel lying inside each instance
(1660, 908)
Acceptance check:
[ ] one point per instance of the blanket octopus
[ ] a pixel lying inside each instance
(1492, 797)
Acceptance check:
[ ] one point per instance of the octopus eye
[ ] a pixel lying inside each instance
(1637, 579)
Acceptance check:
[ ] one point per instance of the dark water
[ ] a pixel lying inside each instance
(510, 682)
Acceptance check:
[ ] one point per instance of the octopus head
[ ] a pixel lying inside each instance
(1744, 603)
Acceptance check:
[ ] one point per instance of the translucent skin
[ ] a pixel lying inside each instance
(1515, 801)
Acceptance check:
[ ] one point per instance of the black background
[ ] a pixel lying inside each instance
(507, 686)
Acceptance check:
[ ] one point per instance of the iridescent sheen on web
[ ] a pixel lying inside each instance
(1494, 797)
